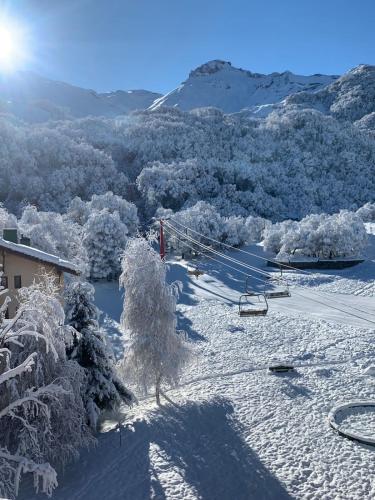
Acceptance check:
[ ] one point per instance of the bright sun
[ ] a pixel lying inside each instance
(11, 47)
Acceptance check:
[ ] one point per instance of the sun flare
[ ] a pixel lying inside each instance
(12, 50)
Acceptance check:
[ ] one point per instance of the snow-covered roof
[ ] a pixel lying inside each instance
(39, 255)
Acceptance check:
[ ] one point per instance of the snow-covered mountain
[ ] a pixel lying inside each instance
(37, 99)
(215, 84)
(219, 84)
(351, 97)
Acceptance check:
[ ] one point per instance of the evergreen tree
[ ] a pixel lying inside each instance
(104, 390)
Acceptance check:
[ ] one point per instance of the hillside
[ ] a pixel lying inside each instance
(219, 84)
(351, 97)
(37, 99)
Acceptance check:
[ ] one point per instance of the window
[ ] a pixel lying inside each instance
(4, 281)
(17, 282)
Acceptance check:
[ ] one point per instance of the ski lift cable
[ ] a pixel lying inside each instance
(220, 262)
(336, 308)
(246, 251)
(254, 268)
(209, 249)
(265, 281)
(184, 236)
(224, 256)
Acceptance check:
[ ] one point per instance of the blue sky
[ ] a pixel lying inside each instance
(153, 44)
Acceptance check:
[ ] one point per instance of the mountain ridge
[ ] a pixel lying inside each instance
(217, 83)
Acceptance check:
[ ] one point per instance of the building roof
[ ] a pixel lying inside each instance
(39, 256)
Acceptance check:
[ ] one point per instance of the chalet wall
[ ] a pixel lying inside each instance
(29, 270)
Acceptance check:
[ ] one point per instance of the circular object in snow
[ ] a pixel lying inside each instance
(353, 409)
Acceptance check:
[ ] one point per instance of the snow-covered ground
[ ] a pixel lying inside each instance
(237, 431)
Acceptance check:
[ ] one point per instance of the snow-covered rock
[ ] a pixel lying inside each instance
(37, 99)
(219, 84)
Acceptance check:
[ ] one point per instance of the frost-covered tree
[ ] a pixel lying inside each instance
(103, 388)
(367, 212)
(7, 220)
(104, 238)
(41, 412)
(156, 352)
(53, 233)
(79, 211)
(202, 222)
(322, 236)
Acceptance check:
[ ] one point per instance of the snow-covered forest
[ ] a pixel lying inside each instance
(294, 162)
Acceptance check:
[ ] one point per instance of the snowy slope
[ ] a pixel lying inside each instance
(238, 432)
(351, 97)
(34, 98)
(219, 84)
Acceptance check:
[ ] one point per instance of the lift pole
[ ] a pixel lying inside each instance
(161, 240)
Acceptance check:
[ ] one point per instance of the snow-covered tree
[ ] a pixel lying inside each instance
(205, 219)
(323, 236)
(7, 220)
(103, 389)
(104, 238)
(156, 352)
(53, 233)
(42, 417)
(79, 211)
(367, 212)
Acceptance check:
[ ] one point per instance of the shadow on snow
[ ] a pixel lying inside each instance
(201, 441)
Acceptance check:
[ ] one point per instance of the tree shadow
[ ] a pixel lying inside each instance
(185, 324)
(202, 441)
(177, 272)
(205, 441)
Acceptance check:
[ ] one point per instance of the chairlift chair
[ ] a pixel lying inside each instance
(249, 306)
(280, 288)
(248, 290)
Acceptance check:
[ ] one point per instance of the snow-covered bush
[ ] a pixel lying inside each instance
(156, 351)
(322, 236)
(367, 212)
(42, 416)
(202, 218)
(274, 234)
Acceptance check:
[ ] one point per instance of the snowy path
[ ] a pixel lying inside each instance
(238, 431)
